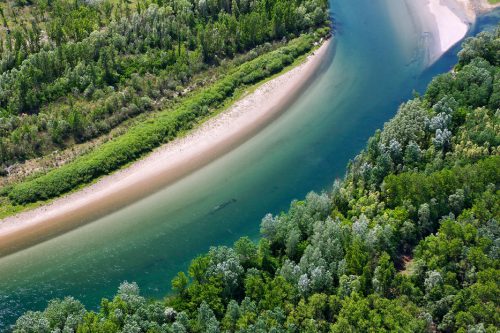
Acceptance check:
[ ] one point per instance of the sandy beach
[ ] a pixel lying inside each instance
(166, 164)
(443, 23)
(452, 24)
(453, 19)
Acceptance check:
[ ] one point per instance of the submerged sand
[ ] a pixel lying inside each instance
(166, 164)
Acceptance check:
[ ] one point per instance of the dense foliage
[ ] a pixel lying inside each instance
(71, 70)
(408, 242)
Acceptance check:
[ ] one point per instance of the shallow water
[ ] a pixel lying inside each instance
(369, 71)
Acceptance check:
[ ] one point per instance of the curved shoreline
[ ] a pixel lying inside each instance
(453, 19)
(165, 165)
(443, 24)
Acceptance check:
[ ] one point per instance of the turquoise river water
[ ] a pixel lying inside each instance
(370, 69)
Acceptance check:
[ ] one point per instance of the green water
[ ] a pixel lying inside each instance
(369, 71)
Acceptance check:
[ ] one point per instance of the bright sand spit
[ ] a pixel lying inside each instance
(166, 164)
(453, 19)
(451, 28)
(442, 23)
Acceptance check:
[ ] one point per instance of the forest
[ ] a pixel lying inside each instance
(408, 241)
(83, 82)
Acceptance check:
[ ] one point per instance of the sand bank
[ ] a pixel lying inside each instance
(166, 164)
(441, 24)
(454, 18)
(451, 22)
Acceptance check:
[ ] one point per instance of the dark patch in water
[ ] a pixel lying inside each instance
(222, 206)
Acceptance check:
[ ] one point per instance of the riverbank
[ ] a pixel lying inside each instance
(452, 23)
(454, 18)
(166, 164)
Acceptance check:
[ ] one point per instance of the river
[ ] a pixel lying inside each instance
(371, 68)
